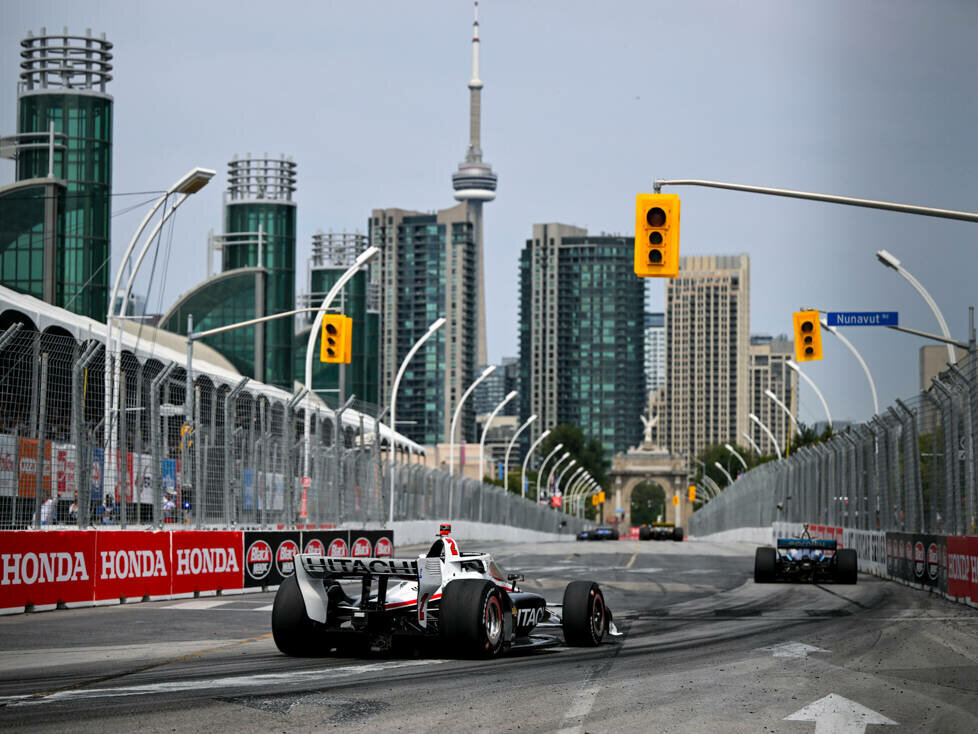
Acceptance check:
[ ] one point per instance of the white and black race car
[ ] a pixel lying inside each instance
(463, 600)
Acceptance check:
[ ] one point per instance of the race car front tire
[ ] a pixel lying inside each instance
(294, 633)
(585, 616)
(471, 617)
(847, 566)
(765, 562)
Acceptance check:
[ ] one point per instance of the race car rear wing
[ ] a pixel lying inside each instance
(315, 565)
(822, 543)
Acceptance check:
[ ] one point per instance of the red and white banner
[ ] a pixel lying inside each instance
(962, 568)
(45, 568)
(131, 564)
(206, 561)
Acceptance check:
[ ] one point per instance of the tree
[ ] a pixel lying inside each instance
(648, 503)
(589, 454)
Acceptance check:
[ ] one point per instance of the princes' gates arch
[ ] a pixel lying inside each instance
(649, 463)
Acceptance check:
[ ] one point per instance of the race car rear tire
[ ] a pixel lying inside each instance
(765, 562)
(471, 614)
(585, 616)
(677, 533)
(644, 533)
(294, 633)
(847, 566)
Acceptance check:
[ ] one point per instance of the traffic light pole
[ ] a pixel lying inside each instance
(924, 211)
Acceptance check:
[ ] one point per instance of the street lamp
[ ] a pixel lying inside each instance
(770, 394)
(526, 459)
(563, 474)
(458, 410)
(733, 451)
(485, 432)
(555, 449)
(757, 449)
(575, 487)
(719, 466)
(550, 476)
(859, 358)
(510, 448)
(192, 182)
(767, 431)
(890, 261)
(397, 382)
(362, 259)
(793, 365)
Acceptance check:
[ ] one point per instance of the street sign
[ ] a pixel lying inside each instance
(863, 318)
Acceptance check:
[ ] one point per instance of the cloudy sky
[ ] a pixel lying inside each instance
(585, 104)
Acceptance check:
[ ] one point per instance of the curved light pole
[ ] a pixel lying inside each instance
(770, 394)
(719, 466)
(192, 182)
(793, 365)
(767, 431)
(583, 495)
(510, 448)
(733, 451)
(458, 411)
(862, 362)
(362, 259)
(526, 459)
(485, 432)
(757, 449)
(575, 487)
(562, 474)
(550, 476)
(890, 261)
(543, 463)
(435, 326)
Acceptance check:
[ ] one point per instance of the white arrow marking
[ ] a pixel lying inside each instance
(792, 650)
(837, 715)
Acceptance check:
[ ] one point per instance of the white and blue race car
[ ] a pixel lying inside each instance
(463, 600)
(805, 559)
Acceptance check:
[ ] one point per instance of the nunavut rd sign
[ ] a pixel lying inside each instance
(863, 318)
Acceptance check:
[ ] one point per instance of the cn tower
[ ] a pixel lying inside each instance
(474, 182)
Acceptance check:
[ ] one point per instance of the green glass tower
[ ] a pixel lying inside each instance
(64, 135)
(260, 231)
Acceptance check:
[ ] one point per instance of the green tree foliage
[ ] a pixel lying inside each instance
(648, 503)
(589, 454)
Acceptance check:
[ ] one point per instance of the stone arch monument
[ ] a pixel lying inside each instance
(648, 462)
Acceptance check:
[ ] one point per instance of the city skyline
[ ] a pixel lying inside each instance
(878, 106)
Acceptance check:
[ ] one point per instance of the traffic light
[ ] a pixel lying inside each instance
(692, 493)
(657, 235)
(336, 346)
(808, 336)
(675, 499)
(594, 500)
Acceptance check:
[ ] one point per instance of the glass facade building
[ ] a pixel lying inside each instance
(582, 341)
(64, 130)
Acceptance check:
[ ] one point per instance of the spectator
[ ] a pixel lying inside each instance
(170, 506)
(108, 510)
(73, 510)
(47, 511)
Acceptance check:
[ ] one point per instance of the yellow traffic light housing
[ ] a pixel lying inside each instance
(692, 493)
(657, 235)
(808, 336)
(675, 499)
(336, 346)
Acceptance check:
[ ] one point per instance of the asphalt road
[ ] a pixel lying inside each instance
(704, 649)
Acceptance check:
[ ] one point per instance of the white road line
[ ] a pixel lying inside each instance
(198, 604)
(266, 681)
(267, 608)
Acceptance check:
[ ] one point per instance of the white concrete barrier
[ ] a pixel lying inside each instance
(413, 532)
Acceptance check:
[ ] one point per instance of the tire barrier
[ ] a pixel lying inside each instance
(42, 570)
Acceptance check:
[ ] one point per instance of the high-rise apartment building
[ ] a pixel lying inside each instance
(655, 351)
(258, 273)
(582, 335)
(55, 221)
(431, 266)
(707, 352)
(493, 390)
(769, 371)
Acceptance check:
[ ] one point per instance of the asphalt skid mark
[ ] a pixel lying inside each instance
(345, 710)
(583, 702)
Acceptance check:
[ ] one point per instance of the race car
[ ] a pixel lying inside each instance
(805, 559)
(660, 531)
(463, 600)
(598, 534)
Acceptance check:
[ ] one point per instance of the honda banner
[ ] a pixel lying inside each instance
(45, 568)
(206, 561)
(132, 565)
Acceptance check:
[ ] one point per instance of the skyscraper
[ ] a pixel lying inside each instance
(431, 266)
(582, 340)
(707, 352)
(769, 371)
(56, 220)
(655, 351)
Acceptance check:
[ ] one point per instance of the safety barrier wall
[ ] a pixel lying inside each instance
(41, 570)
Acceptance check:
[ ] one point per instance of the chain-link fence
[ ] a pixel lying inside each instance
(910, 469)
(236, 453)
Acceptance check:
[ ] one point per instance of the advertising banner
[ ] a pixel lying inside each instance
(65, 470)
(248, 489)
(27, 482)
(365, 543)
(206, 560)
(335, 543)
(131, 565)
(269, 556)
(8, 479)
(44, 568)
(959, 563)
(97, 478)
(870, 547)
(899, 555)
